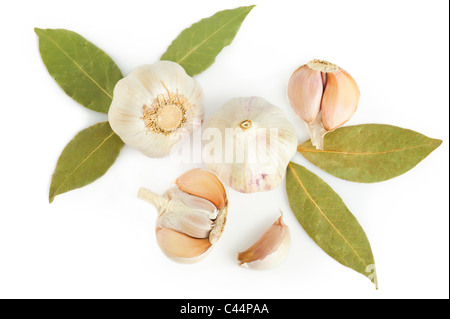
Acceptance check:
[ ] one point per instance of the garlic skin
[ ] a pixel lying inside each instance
(324, 96)
(253, 120)
(189, 220)
(156, 107)
(270, 250)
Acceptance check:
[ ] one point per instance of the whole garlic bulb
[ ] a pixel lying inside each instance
(257, 144)
(270, 250)
(155, 107)
(324, 96)
(191, 215)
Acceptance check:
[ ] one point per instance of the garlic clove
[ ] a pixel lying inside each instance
(188, 214)
(270, 250)
(190, 222)
(182, 212)
(204, 184)
(305, 91)
(201, 204)
(340, 99)
(180, 247)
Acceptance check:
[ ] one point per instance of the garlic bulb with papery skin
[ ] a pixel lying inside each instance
(155, 107)
(270, 250)
(191, 215)
(256, 143)
(324, 96)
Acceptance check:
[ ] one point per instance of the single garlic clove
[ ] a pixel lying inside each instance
(270, 250)
(340, 99)
(190, 222)
(204, 184)
(305, 91)
(180, 247)
(200, 204)
(188, 214)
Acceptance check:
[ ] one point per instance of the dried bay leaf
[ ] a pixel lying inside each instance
(86, 158)
(327, 220)
(369, 153)
(196, 48)
(84, 72)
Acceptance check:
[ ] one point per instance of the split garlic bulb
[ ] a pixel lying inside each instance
(257, 143)
(270, 250)
(324, 96)
(191, 215)
(156, 107)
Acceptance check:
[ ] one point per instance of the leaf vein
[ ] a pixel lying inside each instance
(82, 162)
(208, 38)
(359, 153)
(79, 66)
(323, 214)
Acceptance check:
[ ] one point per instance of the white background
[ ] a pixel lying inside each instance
(98, 242)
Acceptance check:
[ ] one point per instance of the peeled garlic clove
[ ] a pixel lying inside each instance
(340, 99)
(337, 91)
(191, 222)
(305, 90)
(200, 204)
(188, 224)
(203, 184)
(270, 250)
(155, 107)
(188, 214)
(255, 144)
(180, 247)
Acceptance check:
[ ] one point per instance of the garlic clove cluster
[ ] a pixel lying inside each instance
(324, 96)
(156, 107)
(191, 215)
(270, 250)
(256, 144)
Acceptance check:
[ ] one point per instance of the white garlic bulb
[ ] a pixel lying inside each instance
(257, 144)
(156, 107)
(191, 215)
(270, 250)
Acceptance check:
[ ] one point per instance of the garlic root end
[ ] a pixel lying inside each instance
(317, 133)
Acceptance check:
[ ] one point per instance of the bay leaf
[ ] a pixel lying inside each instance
(86, 158)
(327, 220)
(369, 153)
(82, 70)
(196, 48)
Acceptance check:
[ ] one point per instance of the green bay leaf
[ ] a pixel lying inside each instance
(196, 48)
(369, 153)
(327, 220)
(84, 72)
(86, 158)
